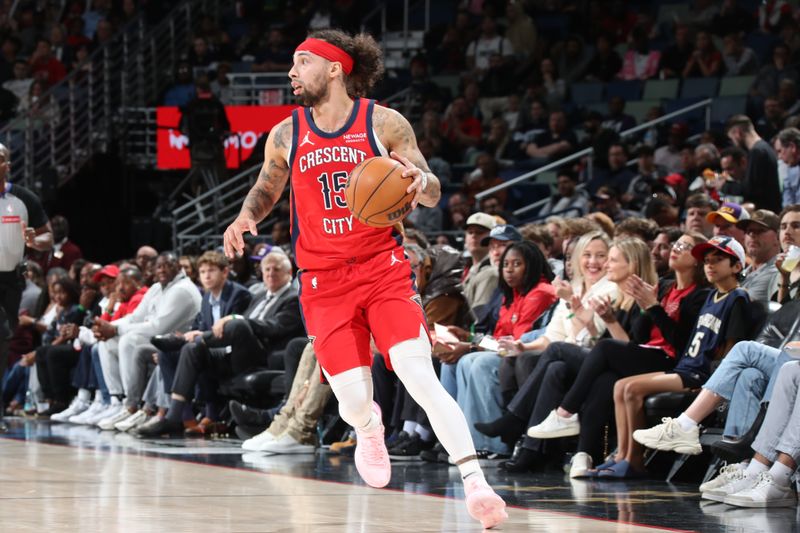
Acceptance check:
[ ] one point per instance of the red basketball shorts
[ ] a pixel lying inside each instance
(343, 307)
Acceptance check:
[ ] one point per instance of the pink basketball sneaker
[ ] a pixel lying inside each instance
(372, 459)
(483, 503)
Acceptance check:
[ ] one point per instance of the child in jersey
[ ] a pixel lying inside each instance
(722, 321)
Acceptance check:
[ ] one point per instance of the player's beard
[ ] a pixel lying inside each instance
(314, 93)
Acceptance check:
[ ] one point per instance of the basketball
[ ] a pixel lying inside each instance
(376, 192)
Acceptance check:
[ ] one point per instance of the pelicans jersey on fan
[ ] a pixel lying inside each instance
(355, 281)
(710, 332)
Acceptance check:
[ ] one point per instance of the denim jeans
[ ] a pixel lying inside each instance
(98, 374)
(781, 429)
(479, 396)
(474, 384)
(744, 379)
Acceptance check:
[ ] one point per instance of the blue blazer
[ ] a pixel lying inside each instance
(235, 298)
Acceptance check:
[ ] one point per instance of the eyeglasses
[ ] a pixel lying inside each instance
(414, 266)
(682, 246)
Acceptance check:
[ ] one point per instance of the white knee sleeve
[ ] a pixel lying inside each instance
(353, 390)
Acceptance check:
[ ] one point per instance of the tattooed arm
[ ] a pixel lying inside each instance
(396, 135)
(266, 191)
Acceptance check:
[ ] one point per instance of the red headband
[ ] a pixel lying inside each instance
(327, 50)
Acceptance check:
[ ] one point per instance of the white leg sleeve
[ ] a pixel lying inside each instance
(353, 390)
(411, 361)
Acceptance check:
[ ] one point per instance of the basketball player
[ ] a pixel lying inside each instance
(355, 280)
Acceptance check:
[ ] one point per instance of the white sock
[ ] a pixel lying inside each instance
(115, 400)
(424, 434)
(410, 427)
(755, 468)
(98, 395)
(781, 473)
(84, 395)
(686, 423)
(470, 468)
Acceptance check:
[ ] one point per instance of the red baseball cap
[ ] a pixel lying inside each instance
(109, 271)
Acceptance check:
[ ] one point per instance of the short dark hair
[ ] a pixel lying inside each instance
(739, 121)
(794, 208)
(643, 228)
(417, 235)
(700, 199)
(789, 136)
(567, 173)
(735, 153)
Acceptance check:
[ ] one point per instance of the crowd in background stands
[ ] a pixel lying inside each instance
(530, 315)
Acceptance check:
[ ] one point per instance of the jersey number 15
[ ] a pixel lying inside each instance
(333, 189)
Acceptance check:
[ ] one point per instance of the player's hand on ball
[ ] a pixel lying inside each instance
(233, 236)
(420, 178)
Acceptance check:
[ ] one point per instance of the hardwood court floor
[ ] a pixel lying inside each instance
(66, 478)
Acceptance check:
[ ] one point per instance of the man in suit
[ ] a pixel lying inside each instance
(221, 298)
(237, 344)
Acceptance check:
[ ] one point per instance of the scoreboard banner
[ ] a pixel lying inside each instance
(248, 123)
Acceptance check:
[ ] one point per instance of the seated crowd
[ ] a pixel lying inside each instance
(679, 274)
(548, 330)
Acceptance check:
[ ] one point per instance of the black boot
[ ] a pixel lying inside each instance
(508, 427)
(738, 450)
(524, 460)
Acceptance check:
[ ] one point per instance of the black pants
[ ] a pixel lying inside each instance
(54, 366)
(515, 370)
(546, 385)
(247, 354)
(592, 393)
(11, 286)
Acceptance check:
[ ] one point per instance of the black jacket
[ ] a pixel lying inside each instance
(282, 322)
(782, 327)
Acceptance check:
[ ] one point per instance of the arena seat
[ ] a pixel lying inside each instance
(723, 107)
(262, 388)
(584, 93)
(638, 109)
(661, 89)
(736, 85)
(699, 87)
(625, 89)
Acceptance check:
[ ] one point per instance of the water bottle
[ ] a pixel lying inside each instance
(30, 405)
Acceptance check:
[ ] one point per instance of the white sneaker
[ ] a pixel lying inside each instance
(739, 482)
(75, 408)
(554, 427)
(109, 411)
(725, 476)
(108, 424)
(285, 444)
(669, 436)
(82, 418)
(765, 493)
(256, 443)
(135, 420)
(580, 465)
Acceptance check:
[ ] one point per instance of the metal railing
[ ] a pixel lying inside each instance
(61, 130)
(202, 220)
(589, 152)
(258, 88)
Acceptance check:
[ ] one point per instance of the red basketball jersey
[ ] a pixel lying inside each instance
(325, 235)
